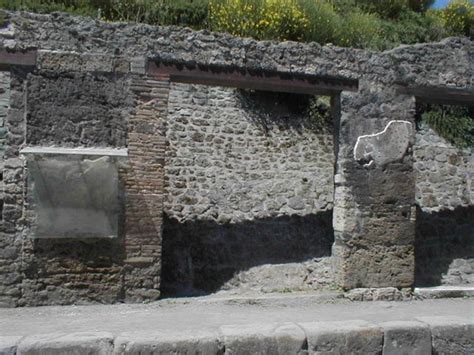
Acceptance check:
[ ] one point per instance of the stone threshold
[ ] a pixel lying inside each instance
(424, 335)
(444, 292)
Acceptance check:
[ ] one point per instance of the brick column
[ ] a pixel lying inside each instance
(375, 189)
(144, 179)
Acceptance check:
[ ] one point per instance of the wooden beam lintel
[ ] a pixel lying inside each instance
(439, 95)
(9, 58)
(240, 78)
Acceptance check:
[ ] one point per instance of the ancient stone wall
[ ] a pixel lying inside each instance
(249, 181)
(84, 60)
(232, 156)
(444, 194)
(78, 107)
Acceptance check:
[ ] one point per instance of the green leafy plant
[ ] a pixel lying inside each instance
(454, 123)
(191, 13)
(324, 22)
(319, 111)
(76, 7)
(360, 30)
(459, 17)
(261, 19)
(411, 28)
(373, 24)
(3, 19)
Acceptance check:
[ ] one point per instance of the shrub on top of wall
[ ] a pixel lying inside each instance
(260, 19)
(76, 7)
(380, 24)
(158, 12)
(454, 123)
(459, 17)
(411, 28)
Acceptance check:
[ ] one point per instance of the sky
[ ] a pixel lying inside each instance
(440, 4)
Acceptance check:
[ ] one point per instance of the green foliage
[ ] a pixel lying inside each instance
(157, 12)
(393, 9)
(360, 30)
(420, 5)
(411, 28)
(76, 7)
(390, 9)
(261, 19)
(373, 24)
(454, 123)
(319, 111)
(324, 22)
(459, 17)
(3, 19)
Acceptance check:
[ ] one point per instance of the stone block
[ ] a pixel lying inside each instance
(384, 147)
(97, 63)
(286, 338)
(59, 61)
(137, 65)
(67, 344)
(121, 65)
(8, 344)
(377, 266)
(180, 342)
(348, 337)
(445, 291)
(451, 335)
(406, 337)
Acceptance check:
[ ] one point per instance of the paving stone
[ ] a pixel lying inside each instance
(286, 338)
(179, 342)
(406, 337)
(444, 291)
(8, 344)
(67, 344)
(348, 337)
(451, 335)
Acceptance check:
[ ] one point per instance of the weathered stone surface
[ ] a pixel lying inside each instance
(70, 344)
(71, 62)
(384, 147)
(244, 172)
(450, 335)
(373, 213)
(286, 338)
(315, 274)
(182, 342)
(445, 218)
(373, 217)
(77, 110)
(406, 337)
(350, 337)
(247, 155)
(9, 344)
(444, 291)
(378, 294)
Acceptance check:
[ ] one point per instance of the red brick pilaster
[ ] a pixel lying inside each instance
(144, 192)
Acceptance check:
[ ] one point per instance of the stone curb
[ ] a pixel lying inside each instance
(425, 335)
(463, 291)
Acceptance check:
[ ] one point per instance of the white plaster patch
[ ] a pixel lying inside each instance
(386, 146)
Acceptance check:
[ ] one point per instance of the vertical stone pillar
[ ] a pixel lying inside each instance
(375, 189)
(13, 105)
(144, 180)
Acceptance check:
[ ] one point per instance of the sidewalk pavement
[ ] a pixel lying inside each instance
(278, 324)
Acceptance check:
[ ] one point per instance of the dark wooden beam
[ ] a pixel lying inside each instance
(9, 58)
(439, 95)
(253, 79)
